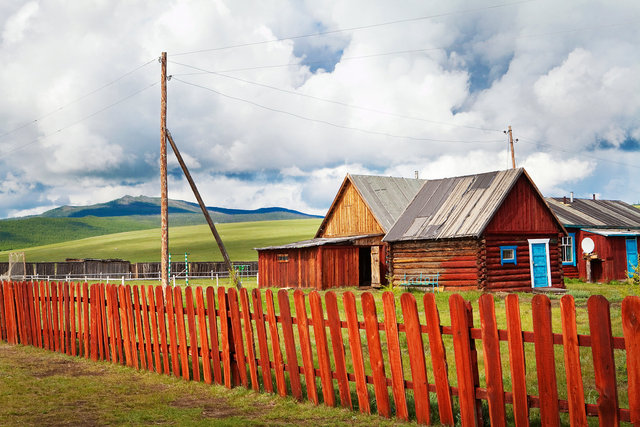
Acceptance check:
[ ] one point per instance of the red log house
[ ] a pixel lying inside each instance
(492, 231)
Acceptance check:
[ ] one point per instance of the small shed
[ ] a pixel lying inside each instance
(347, 249)
(492, 231)
(612, 225)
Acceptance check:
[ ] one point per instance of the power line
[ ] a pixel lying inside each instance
(325, 122)
(40, 138)
(22, 126)
(344, 104)
(357, 28)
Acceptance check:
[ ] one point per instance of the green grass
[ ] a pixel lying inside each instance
(240, 239)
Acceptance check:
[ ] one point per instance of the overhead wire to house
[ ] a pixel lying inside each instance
(328, 123)
(355, 28)
(331, 101)
(42, 137)
(80, 98)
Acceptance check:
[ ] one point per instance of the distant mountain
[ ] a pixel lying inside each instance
(148, 206)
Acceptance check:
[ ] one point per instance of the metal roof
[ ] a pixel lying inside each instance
(454, 207)
(318, 241)
(611, 232)
(595, 213)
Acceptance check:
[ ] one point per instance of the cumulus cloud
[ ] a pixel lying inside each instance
(264, 120)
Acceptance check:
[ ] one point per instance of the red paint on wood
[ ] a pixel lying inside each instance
(55, 325)
(545, 360)
(93, 290)
(85, 317)
(375, 354)
(631, 330)
(355, 349)
(575, 391)
(262, 340)
(335, 329)
(415, 348)
(225, 337)
(132, 327)
(517, 361)
(138, 320)
(236, 334)
(124, 322)
(178, 309)
(275, 345)
(147, 328)
(302, 320)
(464, 368)
(103, 319)
(111, 323)
(395, 357)
(153, 336)
(78, 315)
(171, 325)
(193, 334)
(248, 333)
(492, 363)
(162, 328)
(204, 341)
(603, 362)
(213, 336)
(322, 348)
(72, 300)
(289, 343)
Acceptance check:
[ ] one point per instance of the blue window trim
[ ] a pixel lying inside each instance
(573, 249)
(504, 261)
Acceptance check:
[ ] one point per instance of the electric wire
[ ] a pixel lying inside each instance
(86, 95)
(95, 113)
(328, 123)
(331, 101)
(356, 28)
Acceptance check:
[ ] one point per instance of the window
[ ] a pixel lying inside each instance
(508, 255)
(568, 249)
(283, 257)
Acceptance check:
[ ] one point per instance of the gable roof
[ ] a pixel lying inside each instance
(385, 196)
(456, 207)
(595, 213)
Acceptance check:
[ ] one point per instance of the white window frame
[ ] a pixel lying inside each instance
(546, 243)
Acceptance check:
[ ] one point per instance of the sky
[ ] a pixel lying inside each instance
(272, 103)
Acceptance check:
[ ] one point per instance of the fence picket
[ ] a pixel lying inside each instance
(262, 340)
(575, 391)
(224, 337)
(603, 362)
(248, 332)
(213, 336)
(545, 360)
(54, 316)
(193, 334)
(3, 314)
(631, 330)
(375, 354)
(395, 357)
(32, 315)
(415, 348)
(171, 326)
(137, 308)
(275, 345)
(517, 361)
(236, 335)
(67, 320)
(322, 348)
(115, 313)
(126, 341)
(147, 328)
(289, 344)
(98, 315)
(78, 287)
(355, 349)
(72, 307)
(178, 311)
(132, 327)
(462, 349)
(61, 331)
(305, 345)
(337, 344)
(93, 291)
(111, 324)
(162, 328)
(85, 318)
(204, 341)
(492, 364)
(45, 315)
(103, 318)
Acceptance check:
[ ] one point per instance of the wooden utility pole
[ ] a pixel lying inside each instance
(164, 200)
(203, 207)
(513, 156)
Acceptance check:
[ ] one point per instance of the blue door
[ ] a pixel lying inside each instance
(539, 261)
(632, 256)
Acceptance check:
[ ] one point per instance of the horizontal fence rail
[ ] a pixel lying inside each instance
(392, 361)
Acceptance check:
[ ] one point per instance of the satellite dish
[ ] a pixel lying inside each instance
(587, 245)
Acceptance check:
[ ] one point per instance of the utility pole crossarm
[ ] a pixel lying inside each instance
(203, 207)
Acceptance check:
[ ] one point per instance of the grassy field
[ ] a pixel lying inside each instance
(197, 240)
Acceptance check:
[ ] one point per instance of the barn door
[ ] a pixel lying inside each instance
(375, 266)
(539, 262)
(632, 255)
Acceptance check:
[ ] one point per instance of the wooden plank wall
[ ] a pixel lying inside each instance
(180, 335)
(455, 260)
(350, 216)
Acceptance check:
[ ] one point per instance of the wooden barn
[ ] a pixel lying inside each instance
(612, 225)
(492, 231)
(347, 249)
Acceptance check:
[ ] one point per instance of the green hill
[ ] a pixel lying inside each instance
(144, 245)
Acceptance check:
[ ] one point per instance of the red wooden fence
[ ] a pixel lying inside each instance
(241, 343)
